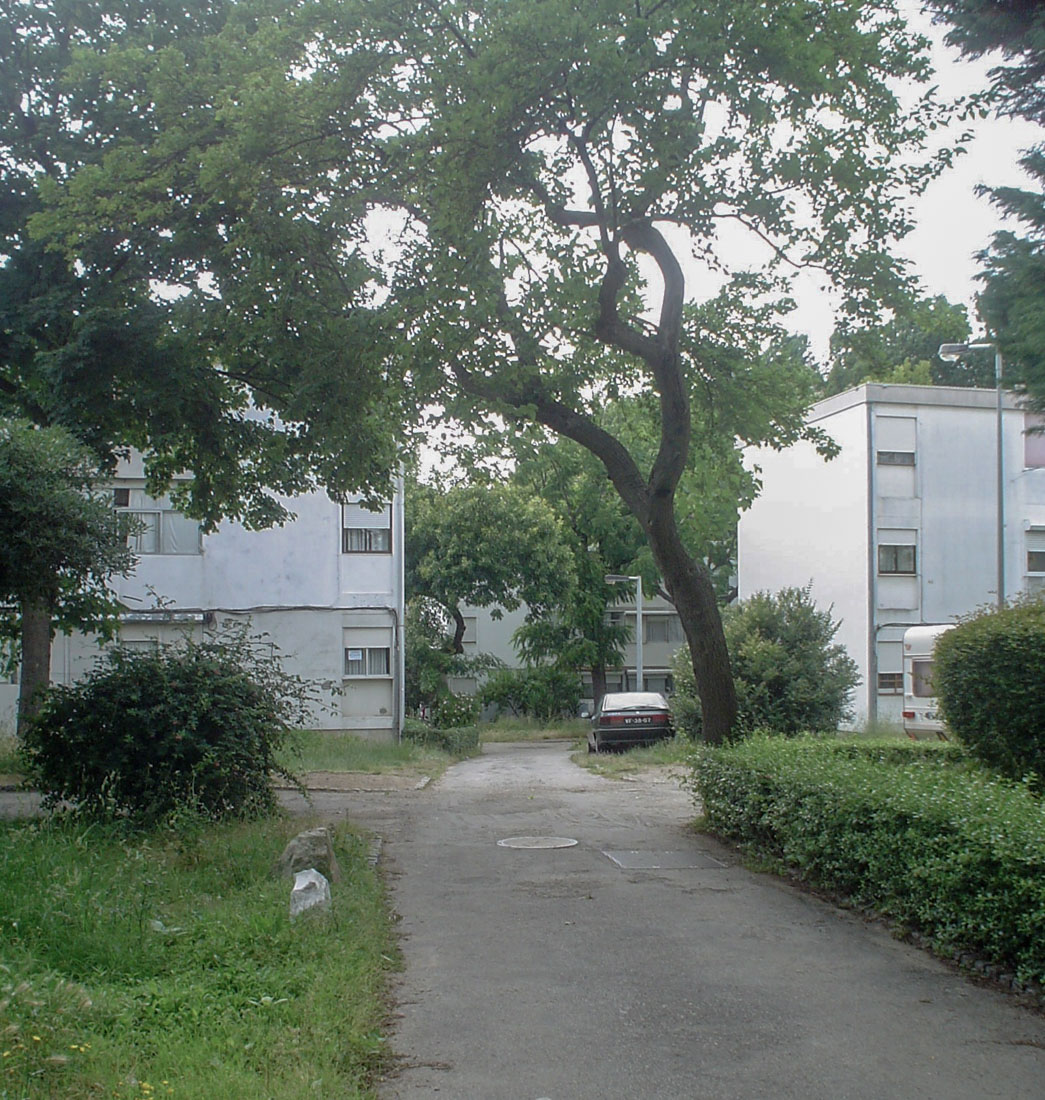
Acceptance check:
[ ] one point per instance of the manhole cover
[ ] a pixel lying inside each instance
(536, 842)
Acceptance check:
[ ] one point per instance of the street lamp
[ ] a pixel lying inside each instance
(619, 578)
(951, 353)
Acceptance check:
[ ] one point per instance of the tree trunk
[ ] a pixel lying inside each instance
(689, 584)
(35, 672)
(457, 645)
(598, 684)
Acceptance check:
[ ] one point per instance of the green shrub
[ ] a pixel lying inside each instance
(455, 710)
(988, 674)
(544, 692)
(789, 674)
(146, 733)
(919, 834)
(456, 740)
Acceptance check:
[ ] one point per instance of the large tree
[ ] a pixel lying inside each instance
(1012, 302)
(60, 542)
(173, 341)
(544, 172)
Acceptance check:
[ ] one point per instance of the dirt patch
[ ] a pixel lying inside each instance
(364, 781)
(656, 775)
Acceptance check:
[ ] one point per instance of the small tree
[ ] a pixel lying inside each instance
(543, 693)
(490, 545)
(988, 674)
(430, 658)
(60, 542)
(789, 673)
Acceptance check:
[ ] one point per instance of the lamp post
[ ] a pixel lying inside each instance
(619, 578)
(951, 353)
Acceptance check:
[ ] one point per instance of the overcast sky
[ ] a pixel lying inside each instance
(953, 223)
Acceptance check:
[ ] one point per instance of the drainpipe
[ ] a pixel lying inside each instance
(872, 573)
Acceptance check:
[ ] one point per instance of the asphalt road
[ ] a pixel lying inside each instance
(644, 962)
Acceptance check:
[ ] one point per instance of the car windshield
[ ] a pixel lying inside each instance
(634, 700)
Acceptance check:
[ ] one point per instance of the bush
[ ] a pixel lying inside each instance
(790, 677)
(452, 710)
(919, 835)
(456, 740)
(148, 733)
(988, 674)
(543, 693)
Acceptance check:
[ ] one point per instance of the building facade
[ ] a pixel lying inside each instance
(661, 632)
(325, 590)
(903, 527)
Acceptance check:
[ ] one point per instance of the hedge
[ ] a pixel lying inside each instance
(924, 837)
(988, 674)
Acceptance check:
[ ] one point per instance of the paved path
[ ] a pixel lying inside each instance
(644, 962)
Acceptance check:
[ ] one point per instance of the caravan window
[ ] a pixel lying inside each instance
(922, 675)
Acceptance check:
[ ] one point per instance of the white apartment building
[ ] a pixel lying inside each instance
(661, 633)
(326, 590)
(903, 526)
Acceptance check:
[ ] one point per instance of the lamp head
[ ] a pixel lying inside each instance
(951, 353)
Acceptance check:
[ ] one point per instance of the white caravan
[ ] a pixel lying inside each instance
(921, 713)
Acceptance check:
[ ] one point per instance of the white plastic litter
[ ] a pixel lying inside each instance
(311, 890)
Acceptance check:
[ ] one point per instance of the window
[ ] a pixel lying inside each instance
(896, 458)
(922, 678)
(897, 559)
(890, 683)
(368, 661)
(1036, 550)
(1033, 441)
(662, 628)
(364, 531)
(158, 528)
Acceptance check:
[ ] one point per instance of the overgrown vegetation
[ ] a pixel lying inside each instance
(915, 831)
(148, 733)
(614, 765)
(790, 674)
(988, 674)
(337, 751)
(543, 692)
(506, 728)
(456, 740)
(166, 965)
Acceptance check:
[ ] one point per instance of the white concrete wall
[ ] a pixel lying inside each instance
(291, 583)
(808, 526)
(816, 521)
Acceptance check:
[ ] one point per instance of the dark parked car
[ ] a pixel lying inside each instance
(628, 718)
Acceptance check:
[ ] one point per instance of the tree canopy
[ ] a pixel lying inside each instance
(489, 545)
(537, 218)
(904, 348)
(175, 323)
(1012, 301)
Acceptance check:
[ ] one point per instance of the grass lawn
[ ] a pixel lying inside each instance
(615, 764)
(530, 729)
(146, 966)
(335, 751)
(10, 765)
